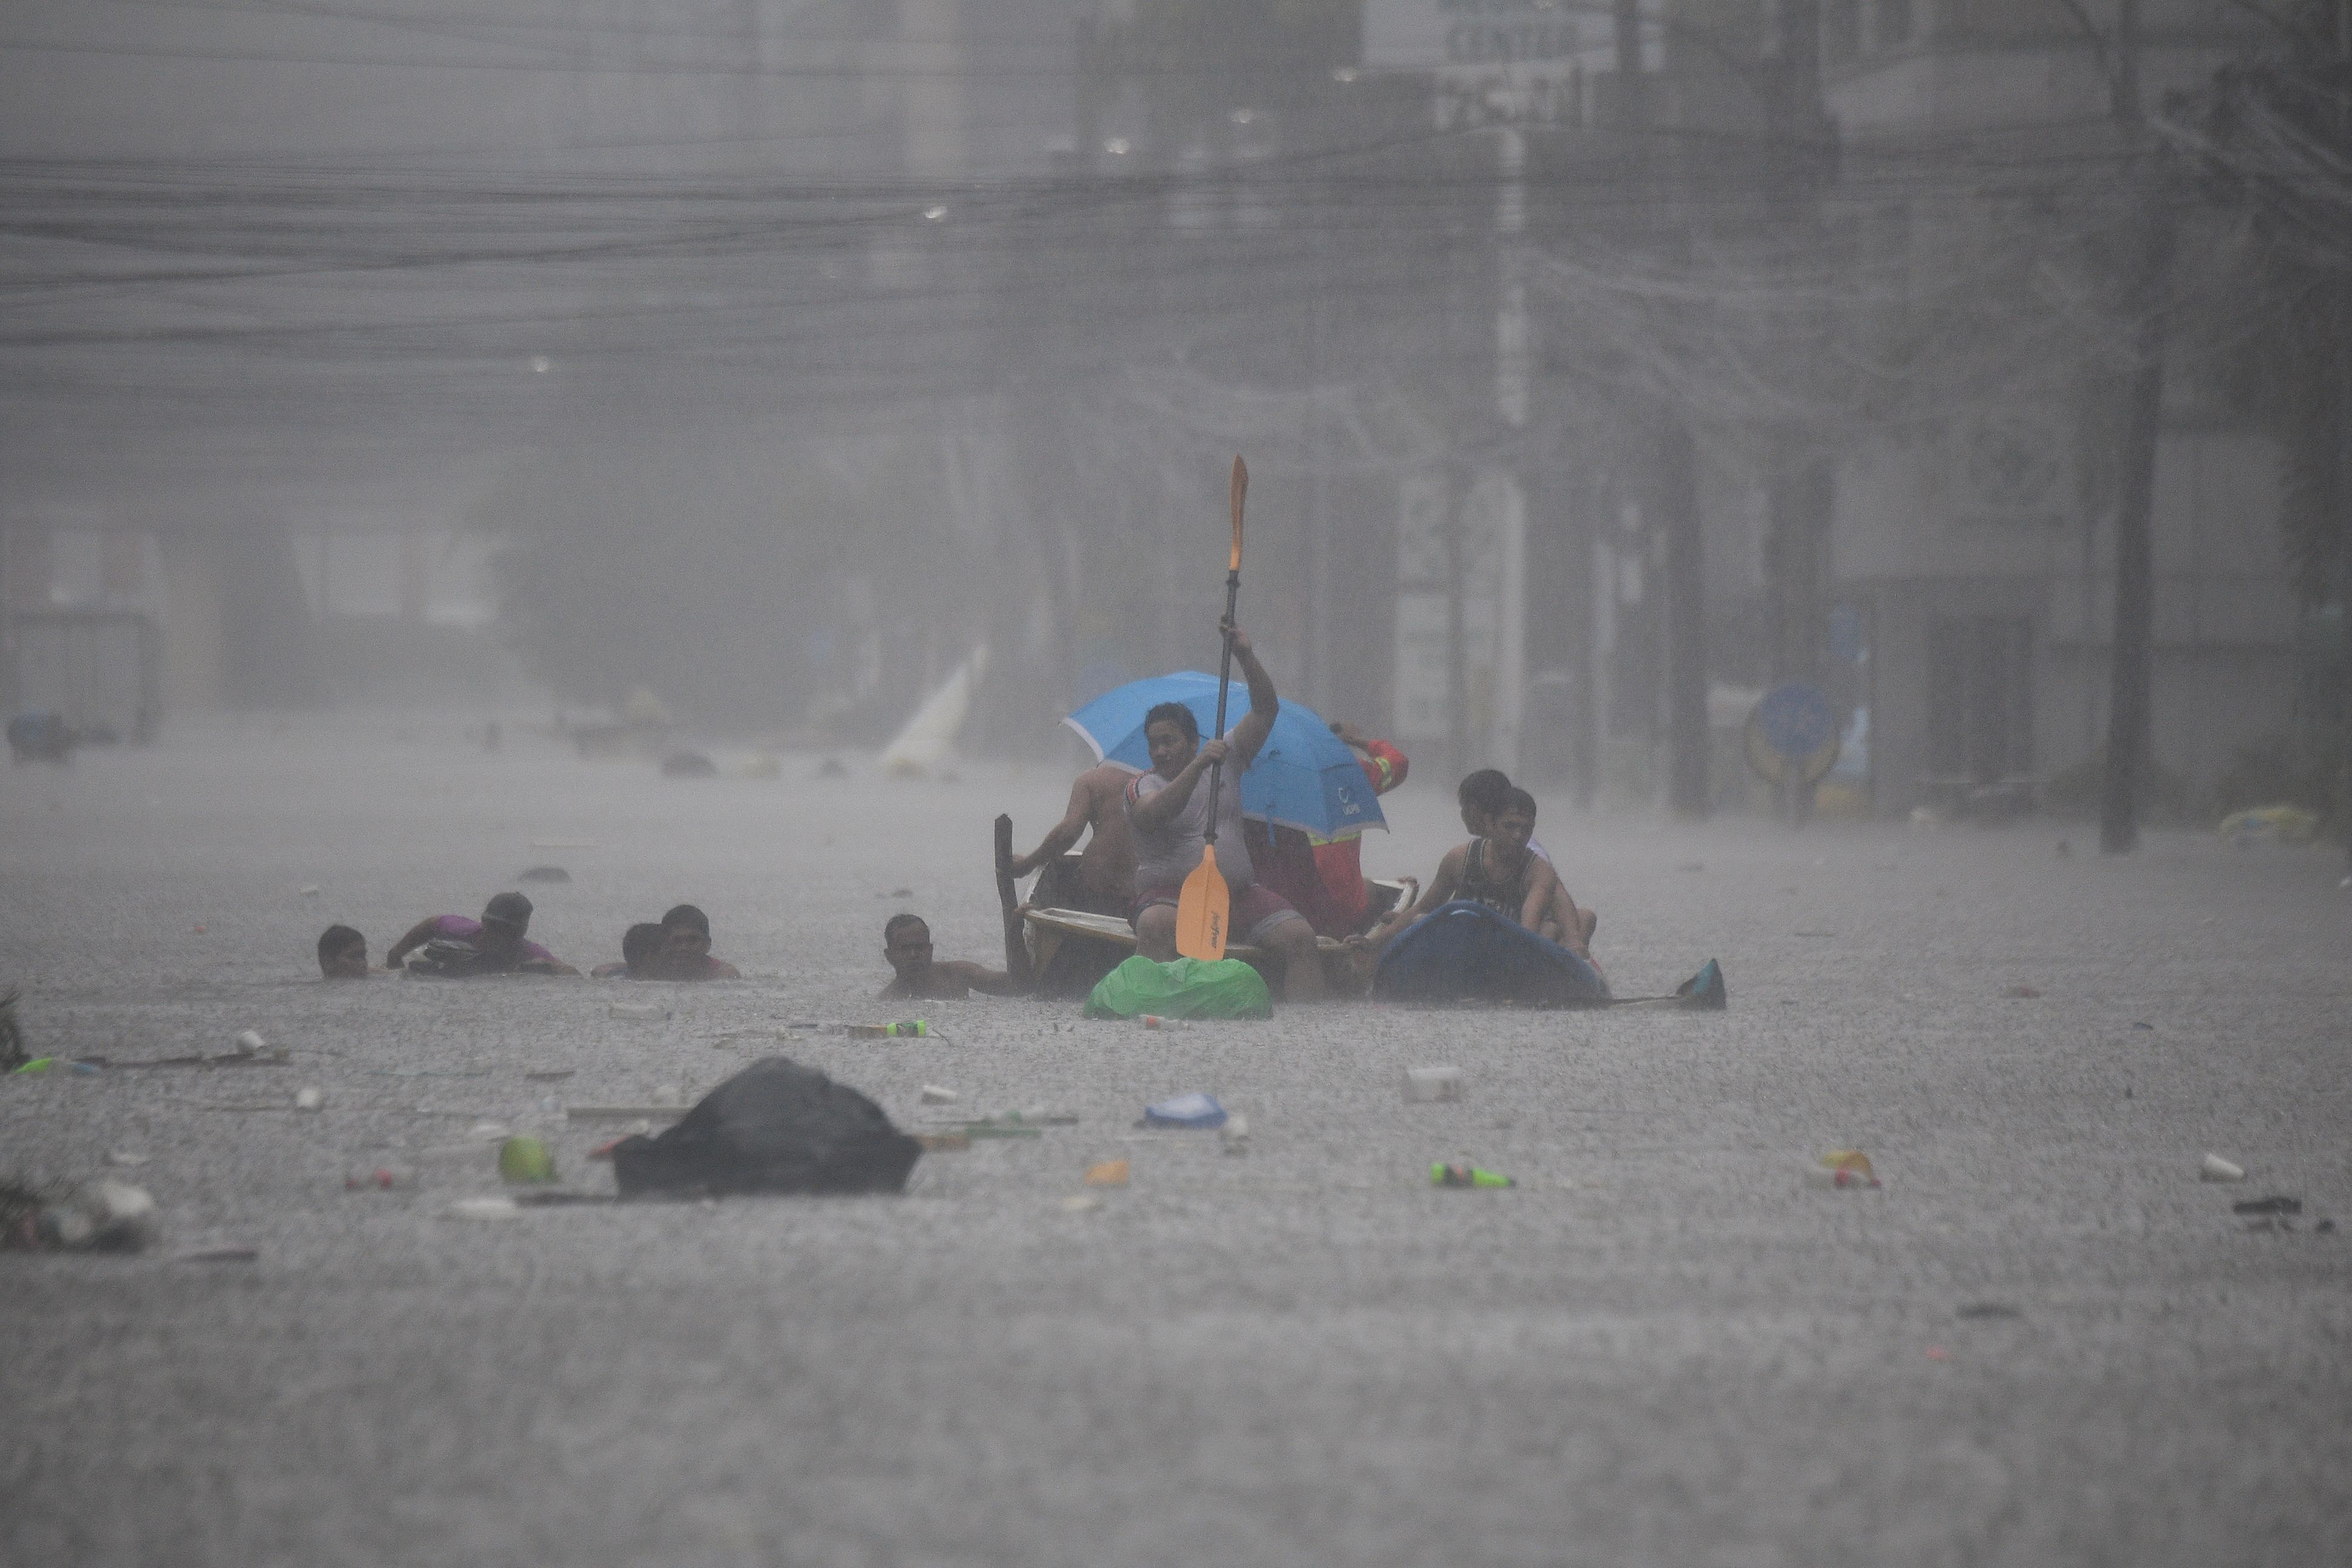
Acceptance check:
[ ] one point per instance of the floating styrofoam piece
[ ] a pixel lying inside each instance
(1196, 1110)
(1443, 1082)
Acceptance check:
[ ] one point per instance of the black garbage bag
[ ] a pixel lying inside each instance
(775, 1127)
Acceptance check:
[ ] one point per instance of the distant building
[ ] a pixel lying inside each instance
(1982, 563)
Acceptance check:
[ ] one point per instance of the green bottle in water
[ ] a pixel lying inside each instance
(1442, 1174)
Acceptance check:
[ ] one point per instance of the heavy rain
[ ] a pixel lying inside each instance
(1151, 781)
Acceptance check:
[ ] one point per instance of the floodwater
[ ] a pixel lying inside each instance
(1661, 1348)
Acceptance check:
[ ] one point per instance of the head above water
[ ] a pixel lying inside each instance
(1513, 824)
(907, 944)
(1481, 795)
(505, 919)
(642, 944)
(688, 932)
(343, 953)
(1173, 735)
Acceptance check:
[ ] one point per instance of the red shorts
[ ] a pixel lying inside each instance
(1253, 913)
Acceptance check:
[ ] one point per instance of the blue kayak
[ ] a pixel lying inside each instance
(1466, 951)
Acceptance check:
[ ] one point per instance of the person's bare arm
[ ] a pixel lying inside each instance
(418, 935)
(981, 978)
(1570, 919)
(1442, 887)
(1543, 886)
(1154, 811)
(1061, 835)
(1246, 737)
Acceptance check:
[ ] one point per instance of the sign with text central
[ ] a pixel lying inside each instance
(1479, 35)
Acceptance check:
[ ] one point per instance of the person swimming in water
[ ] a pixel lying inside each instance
(916, 975)
(342, 955)
(686, 950)
(495, 945)
(641, 954)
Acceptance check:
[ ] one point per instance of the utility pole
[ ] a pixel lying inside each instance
(1686, 585)
(1321, 688)
(1514, 376)
(1585, 587)
(2343, 333)
(1672, 488)
(1801, 488)
(2129, 696)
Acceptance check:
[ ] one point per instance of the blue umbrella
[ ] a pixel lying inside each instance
(1304, 776)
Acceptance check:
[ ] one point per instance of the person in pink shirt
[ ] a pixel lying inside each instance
(494, 944)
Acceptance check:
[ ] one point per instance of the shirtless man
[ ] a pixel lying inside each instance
(1105, 877)
(1168, 809)
(1500, 869)
(342, 955)
(917, 976)
(686, 952)
(641, 955)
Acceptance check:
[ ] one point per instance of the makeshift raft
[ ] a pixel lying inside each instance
(1070, 950)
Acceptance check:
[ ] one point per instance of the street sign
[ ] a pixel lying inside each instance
(1793, 733)
(1480, 35)
(1494, 62)
(1846, 634)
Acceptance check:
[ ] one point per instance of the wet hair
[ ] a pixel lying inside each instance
(1176, 713)
(896, 923)
(641, 941)
(334, 939)
(1484, 791)
(689, 917)
(1517, 799)
(509, 908)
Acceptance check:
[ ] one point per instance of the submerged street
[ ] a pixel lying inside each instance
(2044, 1340)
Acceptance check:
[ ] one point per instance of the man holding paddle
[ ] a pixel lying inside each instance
(1169, 813)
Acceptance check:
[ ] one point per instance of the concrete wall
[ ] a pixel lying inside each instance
(1908, 545)
(195, 661)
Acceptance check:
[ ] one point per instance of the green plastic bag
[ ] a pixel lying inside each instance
(1186, 988)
